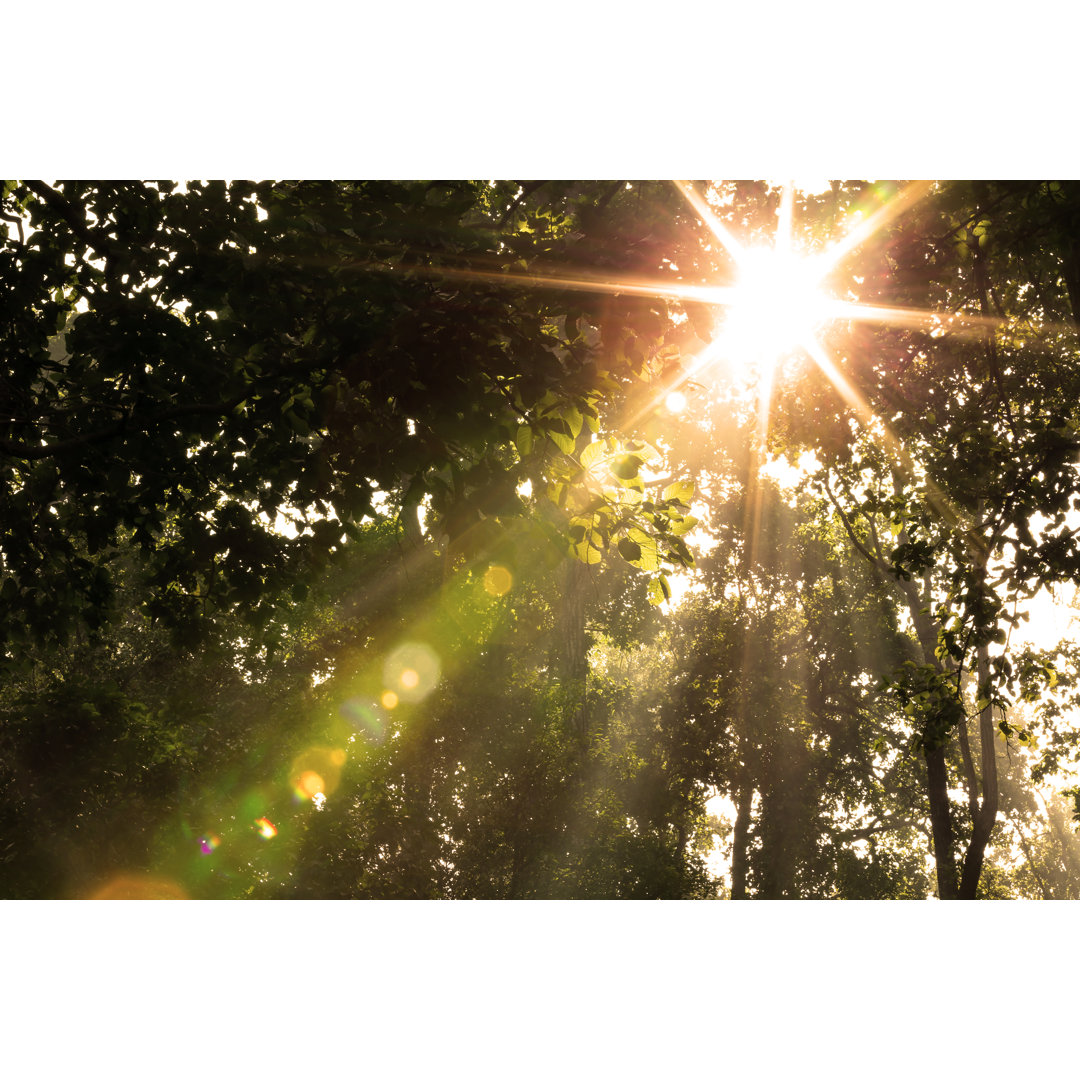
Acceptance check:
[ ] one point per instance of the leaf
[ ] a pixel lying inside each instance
(523, 440)
(680, 525)
(648, 558)
(659, 590)
(626, 466)
(681, 491)
(558, 431)
(629, 550)
(587, 554)
(573, 419)
(593, 453)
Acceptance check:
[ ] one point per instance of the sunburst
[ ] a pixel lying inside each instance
(778, 303)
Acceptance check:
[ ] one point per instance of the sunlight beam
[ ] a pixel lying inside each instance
(731, 245)
(879, 430)
(904, 199)
(784, 219)
(702, 294)
(959, 323)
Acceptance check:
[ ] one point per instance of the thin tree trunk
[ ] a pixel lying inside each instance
(937, 786)
(740, 841)
(573, 663)
(987, 815)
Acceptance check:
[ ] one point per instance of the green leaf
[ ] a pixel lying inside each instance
(681, 491)
(626, 466)
(573, 419)
(629, 550)
(659, 589)
(648, 558)
(586, 553)
(593, 453)
(523, 440)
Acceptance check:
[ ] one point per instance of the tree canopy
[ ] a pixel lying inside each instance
(339, 526)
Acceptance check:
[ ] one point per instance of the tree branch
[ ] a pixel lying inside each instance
(77, 442)
(873, 560)
(74, 221)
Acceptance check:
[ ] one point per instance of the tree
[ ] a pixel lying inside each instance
(231, 353)
(982, 436)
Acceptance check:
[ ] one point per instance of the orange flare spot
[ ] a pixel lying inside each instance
(311, 784)
(497, 580)
(267, 829)
(140, 887)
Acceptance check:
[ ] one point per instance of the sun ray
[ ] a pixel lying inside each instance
(954, 323)
(703, 294)
(903, 200)
(879, 430)
(731, 245)
(784, 219)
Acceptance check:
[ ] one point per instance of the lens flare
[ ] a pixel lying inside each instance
(317, 771)
(412, 670)
(497, 580)
(389, 699)
(265, 828)
(209, 843)
(367, 717)
(140, 887)
(675, 402)
(310, 784)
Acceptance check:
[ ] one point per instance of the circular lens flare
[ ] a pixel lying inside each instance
(497, 580)
(367, 717)
(310, 784)
(413, 670)
(675, 402)
(316, 772)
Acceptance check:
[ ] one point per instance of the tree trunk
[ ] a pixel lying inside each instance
(986, 817)
(740, 841)
(937, 786)
(573, 665)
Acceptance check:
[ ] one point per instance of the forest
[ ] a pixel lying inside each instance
(539, 540)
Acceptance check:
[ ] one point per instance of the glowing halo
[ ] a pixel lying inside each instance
(776, 305)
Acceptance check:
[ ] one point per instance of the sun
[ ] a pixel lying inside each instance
(775, 307)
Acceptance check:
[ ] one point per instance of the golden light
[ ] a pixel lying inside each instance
(389, 700)
(265, 828)
(413, 670)
(675, 402)
(140, 887)
(776, 305)
(316, 772)
(497, 580)
(310, 784)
